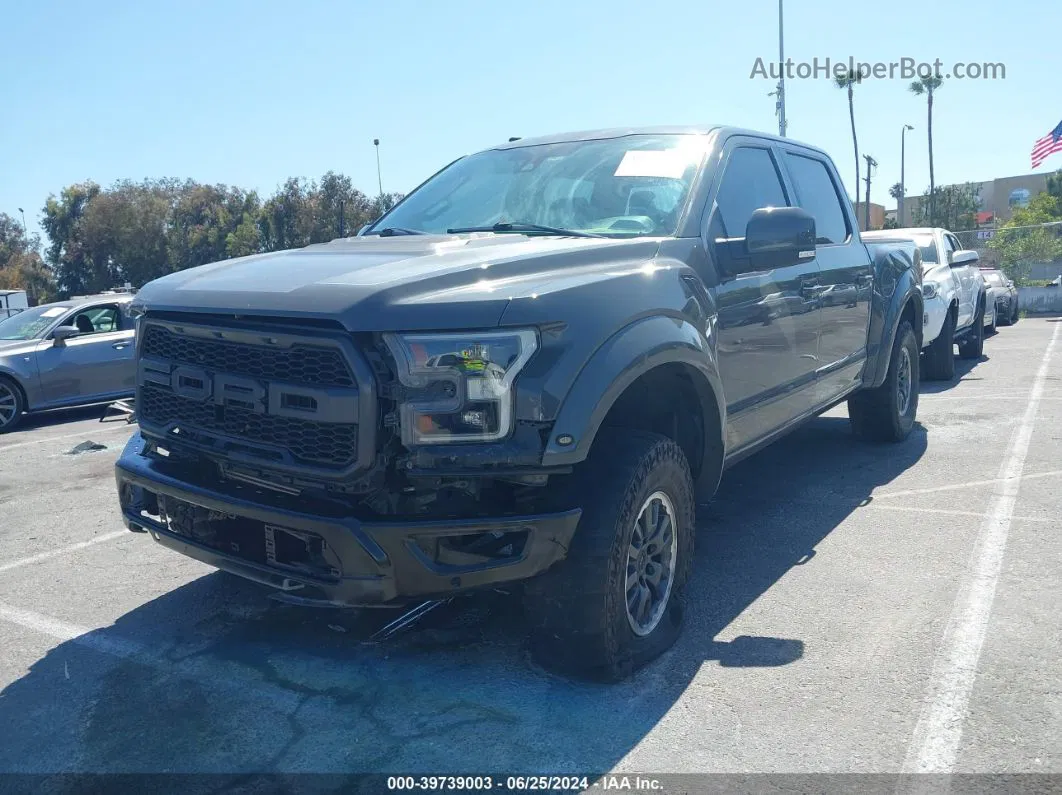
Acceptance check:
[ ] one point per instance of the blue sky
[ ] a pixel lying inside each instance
(249, 93)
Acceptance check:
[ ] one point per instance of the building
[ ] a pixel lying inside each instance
(997, 199)
(877, 216)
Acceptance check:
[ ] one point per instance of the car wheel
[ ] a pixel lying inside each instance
(887, 414)
(1014, 314)
(973, 344)
(940, 355)
(615, 602)
(1002, 318)
(995, 320)
(12, 404)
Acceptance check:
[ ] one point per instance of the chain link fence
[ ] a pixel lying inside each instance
(1030, 255)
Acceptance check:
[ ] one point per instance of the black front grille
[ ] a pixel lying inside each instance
(300, 364)
(331, 444)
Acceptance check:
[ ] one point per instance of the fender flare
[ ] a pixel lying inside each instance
(885, 324)
(627, 355)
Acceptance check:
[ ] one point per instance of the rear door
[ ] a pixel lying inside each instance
(96, 364)
(768, 321)
(845, 267)
(967, 277)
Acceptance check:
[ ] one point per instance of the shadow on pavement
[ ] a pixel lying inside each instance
(964, 371)
(55, 417)
(214, 677)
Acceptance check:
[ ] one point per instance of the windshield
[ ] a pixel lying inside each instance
(993, 278)
(30, 323)
(634, 185)
(928, 247)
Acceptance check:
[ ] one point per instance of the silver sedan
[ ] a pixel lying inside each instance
(64, 354)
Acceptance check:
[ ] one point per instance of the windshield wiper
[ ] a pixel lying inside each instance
(391, 231)
(518, 227)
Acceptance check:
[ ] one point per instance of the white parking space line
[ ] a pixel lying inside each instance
(54, 553)
(934, 746)
(948, 512)
(1054, 473)
(84, 433)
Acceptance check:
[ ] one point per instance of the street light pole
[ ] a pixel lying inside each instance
(379, 179)
(903, 183)
(781, 74)
(23, 212)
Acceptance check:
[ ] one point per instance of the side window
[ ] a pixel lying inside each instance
(955, 244)
(751, 181)
(817, 194)
(949, 249)
(97, 320)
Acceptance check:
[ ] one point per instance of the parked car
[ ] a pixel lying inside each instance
(1002, 294)
(956, 308)
(527, 371)
(64, 354)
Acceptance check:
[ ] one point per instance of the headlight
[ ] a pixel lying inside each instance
(929, 290)
(459, 387)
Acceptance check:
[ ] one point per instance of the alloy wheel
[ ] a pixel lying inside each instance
(651, 560)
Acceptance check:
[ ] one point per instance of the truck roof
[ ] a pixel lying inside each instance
(620, 132)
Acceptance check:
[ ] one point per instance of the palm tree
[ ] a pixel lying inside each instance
(848, 81)
(896, 191)
(927, 86)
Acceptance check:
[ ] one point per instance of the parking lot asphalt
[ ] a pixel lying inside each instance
(854, 609)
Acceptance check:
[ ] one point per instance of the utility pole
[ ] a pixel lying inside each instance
(780, 104)
(903, 182)
(342, 205)
(379, 179)
(871, 162)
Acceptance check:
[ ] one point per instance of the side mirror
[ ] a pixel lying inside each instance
(777, 237)
(964, 257)
(63, 333)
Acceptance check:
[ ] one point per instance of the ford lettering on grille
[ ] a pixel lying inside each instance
(227, 390)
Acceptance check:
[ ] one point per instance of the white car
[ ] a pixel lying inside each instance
(956, 309)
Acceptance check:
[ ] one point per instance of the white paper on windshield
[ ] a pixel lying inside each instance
(55, 311)
(654, 163)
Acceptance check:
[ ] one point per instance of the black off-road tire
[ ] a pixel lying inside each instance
(12, 404)
(940, 355)
(1015, 314)
(877, 414)
(578, 609)
(973, 344)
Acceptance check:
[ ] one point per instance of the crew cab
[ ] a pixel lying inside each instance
(526, 372)
(956, 306)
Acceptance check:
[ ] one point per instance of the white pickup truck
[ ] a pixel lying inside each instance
(954, 290)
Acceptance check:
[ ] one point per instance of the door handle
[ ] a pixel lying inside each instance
(118, 346)
(810, 290)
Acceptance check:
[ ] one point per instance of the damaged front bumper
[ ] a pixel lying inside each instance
(327, 556)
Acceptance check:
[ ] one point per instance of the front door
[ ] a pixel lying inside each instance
(768, 320)
(846, 270)
(96, 364)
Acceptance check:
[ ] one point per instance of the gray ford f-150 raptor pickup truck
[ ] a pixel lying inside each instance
(531, 369)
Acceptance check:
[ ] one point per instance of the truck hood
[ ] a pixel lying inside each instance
(409, 282)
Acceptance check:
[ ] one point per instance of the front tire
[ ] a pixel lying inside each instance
(995, 320)
(12, 404)
(887, 413)
(615, 603)
(973, 345)
(940, 355)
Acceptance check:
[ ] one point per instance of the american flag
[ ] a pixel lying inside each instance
(1048, 145)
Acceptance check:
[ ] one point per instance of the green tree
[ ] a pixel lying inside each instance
(928, 86)
(382, 204)
(1033, 234)
(955, 208)
(1054, 184)
(847, 82)
(245, 239)
(896, 191)
(21, 265)
(71, 263)
(891, 223)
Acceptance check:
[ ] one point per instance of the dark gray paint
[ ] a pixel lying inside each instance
(608, 310)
